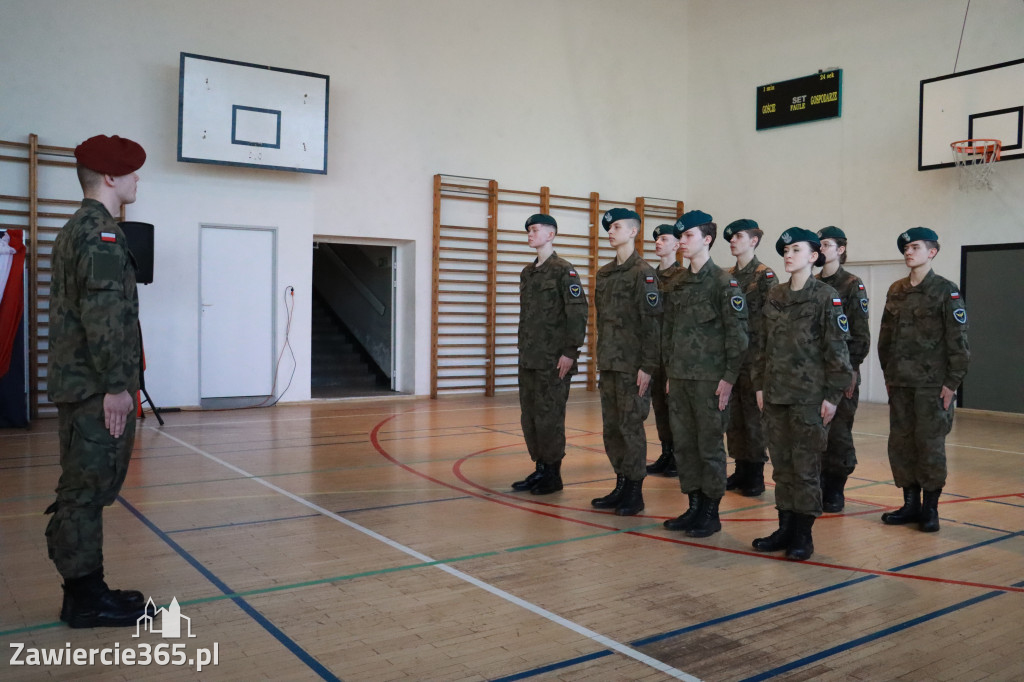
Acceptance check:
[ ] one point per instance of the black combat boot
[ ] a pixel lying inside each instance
(631, 502)
(930, 511)
(611, 500)
(686, 519)
(833, 497)
(530, 480)
(780, 538)
(89, 603)
(753, 483)
(550, 482)
(129, 598)
(737, 477)
(801, 545)
(910, 512)
(707, 522)
(666, 461)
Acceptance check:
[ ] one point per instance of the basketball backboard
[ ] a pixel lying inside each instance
(981, 103)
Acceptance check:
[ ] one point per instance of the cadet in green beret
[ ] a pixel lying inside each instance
(552, 325)
(628, 353)
(93, 377)
(666, 247)
(800, 372)
(703, 341)
(840, 458)
(922, 346)
(745, 440)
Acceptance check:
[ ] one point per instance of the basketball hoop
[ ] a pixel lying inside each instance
(974, 161)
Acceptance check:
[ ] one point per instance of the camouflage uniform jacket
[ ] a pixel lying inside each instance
(802, 357)
(923, 337)
(855, 305)
(552, 313)
(704, 329)
(755, 279)
(628, 317)
(94, 309)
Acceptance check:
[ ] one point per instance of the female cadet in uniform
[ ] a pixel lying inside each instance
(800, 372)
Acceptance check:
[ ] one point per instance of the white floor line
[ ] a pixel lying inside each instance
(498, 592)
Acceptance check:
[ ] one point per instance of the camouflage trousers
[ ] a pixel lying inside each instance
(623, 412)
(746, 440)
(93, 467)
(659, 405)
(542, 398)
(796, 439)
(918, 426)
(840, 457)
(697, 426)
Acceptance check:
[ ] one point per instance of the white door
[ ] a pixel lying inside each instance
(236, 318)
(877, 278)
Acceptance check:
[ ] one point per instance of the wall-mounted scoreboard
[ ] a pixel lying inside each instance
(800, 100)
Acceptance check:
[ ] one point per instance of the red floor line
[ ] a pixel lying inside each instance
(853, 569)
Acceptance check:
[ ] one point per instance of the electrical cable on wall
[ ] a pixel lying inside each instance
(289, 293)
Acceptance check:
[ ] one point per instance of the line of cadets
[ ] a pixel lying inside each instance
(777, 368)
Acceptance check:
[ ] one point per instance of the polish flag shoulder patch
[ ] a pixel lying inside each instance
(649, 279)
(837, 301)
(954, 295)
(108, 236)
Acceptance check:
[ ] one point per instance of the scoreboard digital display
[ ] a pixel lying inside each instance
(800, 100)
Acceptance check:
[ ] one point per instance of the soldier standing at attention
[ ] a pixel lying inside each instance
(703, 341)
(628, 353)
(745, 440)
(552, 325)
(922, 346)
(840, 456)
(93, 376)
(800, 372)
(666, 246)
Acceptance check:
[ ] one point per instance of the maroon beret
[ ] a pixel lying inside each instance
(111, 155)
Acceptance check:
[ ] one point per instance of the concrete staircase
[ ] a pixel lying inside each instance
(340, 366)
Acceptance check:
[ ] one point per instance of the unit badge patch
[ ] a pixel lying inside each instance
(960, 315)
(844, 323)
(864, 305)
(575, 290)
(737, 303)
(652, 299)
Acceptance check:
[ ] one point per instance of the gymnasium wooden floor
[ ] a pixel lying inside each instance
(379, 541)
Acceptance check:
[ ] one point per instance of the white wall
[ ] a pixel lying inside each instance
(859, 171)
(580, 95)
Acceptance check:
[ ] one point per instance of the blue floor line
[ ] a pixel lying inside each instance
(286, 641)
(554, 666)
(866, 639)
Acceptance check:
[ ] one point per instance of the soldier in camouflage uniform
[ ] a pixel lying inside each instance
(922, 346)
(745, 440)
(800, 372)
(628, 353)
(552, 325)
(93, 376)
(666, 246)
(703, 340)
(840, 456)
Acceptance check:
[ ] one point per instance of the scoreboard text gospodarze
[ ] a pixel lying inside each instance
(799, 100)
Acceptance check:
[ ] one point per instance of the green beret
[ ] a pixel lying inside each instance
(831, 232)
(666, 229)
(541, 219)
(115, 155)
(692, 219)
(741, 225)
(617, 214)
(916, 234)
(799, 234)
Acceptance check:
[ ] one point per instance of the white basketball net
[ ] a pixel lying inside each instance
(975, 161)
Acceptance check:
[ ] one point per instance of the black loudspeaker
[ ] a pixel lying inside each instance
(140, 243)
